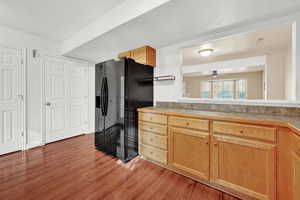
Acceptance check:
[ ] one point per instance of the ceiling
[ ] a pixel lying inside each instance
(53, 19)
(172, 22)
(257, 43)
(178, 21)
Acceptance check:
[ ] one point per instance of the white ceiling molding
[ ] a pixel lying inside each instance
(119, 15)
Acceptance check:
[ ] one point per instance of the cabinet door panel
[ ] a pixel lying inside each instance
(125, 55)
(189, 151)
(247, 167)
(140, 55)
(296, 177)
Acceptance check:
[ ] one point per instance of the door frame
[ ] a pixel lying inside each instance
(24, 96)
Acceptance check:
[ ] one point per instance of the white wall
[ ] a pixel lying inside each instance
(296, 57)
(28, 42)
(18, 39)
(172, 91)
(275, 71)
(169, 60)
(34, 98)
(289, 86)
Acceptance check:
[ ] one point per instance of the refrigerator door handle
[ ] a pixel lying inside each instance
(105, 96)
(102, 97)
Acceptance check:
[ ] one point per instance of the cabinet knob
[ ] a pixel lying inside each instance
(206, 142)
(48, 104)
(241, 131)
(216, 144)
(187, 124)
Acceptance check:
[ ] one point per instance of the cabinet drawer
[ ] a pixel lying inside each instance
(190, 123)
(296, 144)
(153, 139)
(155, 118)
(159, 129)
(242, 130)
(154, 153)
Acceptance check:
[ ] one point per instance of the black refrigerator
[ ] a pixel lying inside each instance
(121, 87)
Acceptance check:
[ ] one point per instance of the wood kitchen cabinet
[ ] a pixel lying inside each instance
(285, 164)
(153, 139)
(296, 166)
(125, 55)
(189, 151)
(296, 176)
(145, 55)
(253, 161)
(288, 158)
(244, 166)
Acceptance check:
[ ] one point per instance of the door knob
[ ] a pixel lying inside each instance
(48, 104)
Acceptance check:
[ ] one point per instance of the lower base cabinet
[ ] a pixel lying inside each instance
(296, 176)
(245, 166)
(189, 151)
(253, 162)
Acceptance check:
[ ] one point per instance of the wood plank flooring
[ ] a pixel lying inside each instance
(73, 169)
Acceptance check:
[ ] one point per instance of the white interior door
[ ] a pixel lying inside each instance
(56, 99)
(66, 99)
(78, 98)
(11, 100)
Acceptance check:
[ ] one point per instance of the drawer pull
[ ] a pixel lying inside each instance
(216, 144)
(206, 142)
(241, 131)
(187, 124)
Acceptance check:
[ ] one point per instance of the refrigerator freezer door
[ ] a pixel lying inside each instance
(110, 137)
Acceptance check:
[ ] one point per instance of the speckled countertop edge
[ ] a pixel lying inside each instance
(282, 121)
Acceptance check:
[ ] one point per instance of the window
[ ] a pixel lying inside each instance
(224, 89)
(205, 90)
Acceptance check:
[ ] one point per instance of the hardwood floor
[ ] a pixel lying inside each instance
(73, 169)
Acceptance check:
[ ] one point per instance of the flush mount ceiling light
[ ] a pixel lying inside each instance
(205, 52)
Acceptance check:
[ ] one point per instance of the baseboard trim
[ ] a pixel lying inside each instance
(34, 145)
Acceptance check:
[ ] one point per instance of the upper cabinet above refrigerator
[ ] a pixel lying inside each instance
(145, 55)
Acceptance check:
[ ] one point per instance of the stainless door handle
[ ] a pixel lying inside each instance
(48, 104)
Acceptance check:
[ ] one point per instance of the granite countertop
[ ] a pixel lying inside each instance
(283, 121)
